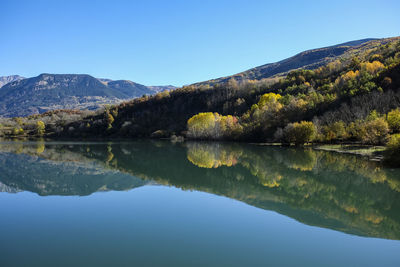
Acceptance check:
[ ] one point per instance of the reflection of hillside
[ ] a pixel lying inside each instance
(54, 170)
(341, 192)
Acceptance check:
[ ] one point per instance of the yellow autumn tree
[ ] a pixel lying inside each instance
(210, 125)
(203, 125)
(40, 128)
(372, 67)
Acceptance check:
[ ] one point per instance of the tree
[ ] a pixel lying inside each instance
(300, 133)
(202, 126)
(334, 131)
(393, 119)
(110, 119)
(374, 132)
(40, 128)
(268, 99)
(210, 125)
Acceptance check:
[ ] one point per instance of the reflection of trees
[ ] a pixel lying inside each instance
(300, 159)
(206, 155)
(342, 192)
(344, 187)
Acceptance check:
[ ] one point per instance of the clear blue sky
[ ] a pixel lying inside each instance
(177, 42)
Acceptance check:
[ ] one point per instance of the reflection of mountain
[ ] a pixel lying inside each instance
(47, 177)
(341, 192)
(8, 189)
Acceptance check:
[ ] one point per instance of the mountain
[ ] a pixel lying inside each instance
(23, 97)
(7, 79)
(310, 59)
(161, 88)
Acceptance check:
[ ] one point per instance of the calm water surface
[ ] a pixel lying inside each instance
(194, 204)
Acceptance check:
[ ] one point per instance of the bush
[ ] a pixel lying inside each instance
(335, 131)
(159, 134)
(374, 132)
(202, 126)
(392, 153)
(299, 133)
(210, 125)
(393, 119)
(40, 128)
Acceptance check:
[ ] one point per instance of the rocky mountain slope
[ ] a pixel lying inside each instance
(23, 97)
(7, 79)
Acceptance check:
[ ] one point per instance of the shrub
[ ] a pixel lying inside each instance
(299, 132)
(392, 153)
(210, 125)
(18, 131)
(335, 131)
(374, 132)
(40, 128)
(393, 119)
(159, 134)
(202, 126)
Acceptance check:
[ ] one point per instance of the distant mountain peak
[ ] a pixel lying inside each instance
(8, 79)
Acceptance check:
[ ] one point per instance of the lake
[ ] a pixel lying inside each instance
(158, 203)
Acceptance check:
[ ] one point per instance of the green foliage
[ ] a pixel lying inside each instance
(374, 132)
(299, 133)
(393, 119)
(335, 131)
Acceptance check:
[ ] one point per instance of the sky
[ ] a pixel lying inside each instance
(177, 42)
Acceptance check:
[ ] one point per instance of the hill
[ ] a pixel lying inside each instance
(45, 92)
(310, 59)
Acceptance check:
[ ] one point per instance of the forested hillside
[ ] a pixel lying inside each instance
(343, 91)
(354, 96)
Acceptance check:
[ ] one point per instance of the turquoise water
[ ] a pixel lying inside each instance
(194, 204)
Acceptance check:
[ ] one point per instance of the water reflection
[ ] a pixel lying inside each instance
(341, 192)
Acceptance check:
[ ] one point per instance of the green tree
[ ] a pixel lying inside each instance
(374, 132)
(393, 119)
(300, 133)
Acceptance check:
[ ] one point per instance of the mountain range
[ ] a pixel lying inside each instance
(21, 96)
